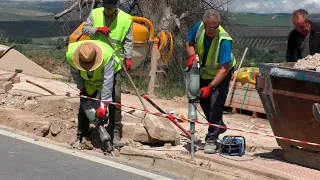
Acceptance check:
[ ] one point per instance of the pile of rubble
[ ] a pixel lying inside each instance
(311, 62)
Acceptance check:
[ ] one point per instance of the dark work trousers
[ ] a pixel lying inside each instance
(83, 121)
(115, 126)
(213, 106)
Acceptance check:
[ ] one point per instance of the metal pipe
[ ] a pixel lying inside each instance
(146, 21)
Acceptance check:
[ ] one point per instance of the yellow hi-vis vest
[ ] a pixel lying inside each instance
(211, 67)
(119, 28)
(94, 83)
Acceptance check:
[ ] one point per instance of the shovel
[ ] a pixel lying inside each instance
(316, 111)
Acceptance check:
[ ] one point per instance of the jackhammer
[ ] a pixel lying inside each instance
(192, 89)
(89, 108)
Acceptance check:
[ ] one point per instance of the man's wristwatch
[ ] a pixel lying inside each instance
(211, 85)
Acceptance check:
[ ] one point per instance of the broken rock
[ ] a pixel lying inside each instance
(56, 128)
(43, 130)
(131, 118)
(138, 133)
(5, 86)
(160, 128)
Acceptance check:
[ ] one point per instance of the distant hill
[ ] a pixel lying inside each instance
(277, 19)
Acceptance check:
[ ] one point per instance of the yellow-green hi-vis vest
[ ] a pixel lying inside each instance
(94, 83)
(119, 28)
(211, 67)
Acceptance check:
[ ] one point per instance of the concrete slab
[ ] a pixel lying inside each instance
(138, 133)
(5, 86)
(131, 118)
(58, 87)
(160, 128)
(13, 59)
(266, 165)
(178, 168)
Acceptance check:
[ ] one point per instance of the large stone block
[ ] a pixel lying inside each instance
(138, 133)
(132, 118)
(160, 128)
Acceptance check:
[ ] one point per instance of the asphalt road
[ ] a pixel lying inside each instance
(23, 160)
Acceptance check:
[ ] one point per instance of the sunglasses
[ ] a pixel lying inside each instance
(211, 28)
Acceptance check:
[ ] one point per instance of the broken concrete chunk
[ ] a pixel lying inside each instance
(44, 130)
(6, 86)
(309, 62)
(160, 128)
(56, 128)
(138, 133)
(131, 118)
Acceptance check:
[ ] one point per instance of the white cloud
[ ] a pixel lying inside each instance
(275, 6)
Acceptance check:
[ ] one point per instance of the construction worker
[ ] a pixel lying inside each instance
(212, 43)
(304, 39)
(92, 68)
(115, 23)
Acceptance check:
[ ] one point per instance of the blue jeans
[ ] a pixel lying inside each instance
(213, 106)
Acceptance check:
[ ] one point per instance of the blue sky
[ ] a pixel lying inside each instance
(275, 6)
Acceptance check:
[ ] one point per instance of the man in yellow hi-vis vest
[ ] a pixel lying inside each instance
(111, 21)
(213, 45)
(92, 69)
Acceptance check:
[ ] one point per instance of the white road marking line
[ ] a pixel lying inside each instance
(85, 156)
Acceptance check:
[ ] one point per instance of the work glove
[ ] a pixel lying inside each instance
(104, 30)
(83, 91)
(205, 92)
(101, 111)
(190, 60)
(128, 63)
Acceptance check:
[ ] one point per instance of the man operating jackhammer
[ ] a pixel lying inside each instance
(92, 68)
(111, 21)
(213, 45)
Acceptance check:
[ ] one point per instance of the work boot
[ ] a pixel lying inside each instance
(78, 145)
(210, 148)
(117, 143)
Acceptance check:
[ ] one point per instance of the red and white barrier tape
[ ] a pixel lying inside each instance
(198, 122)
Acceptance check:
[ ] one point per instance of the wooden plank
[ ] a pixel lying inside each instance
(248, 107)
(250, 93)
(248, 101)
(244, 85)
(253, 98)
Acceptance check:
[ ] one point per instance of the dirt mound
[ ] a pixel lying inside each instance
(13, 59)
